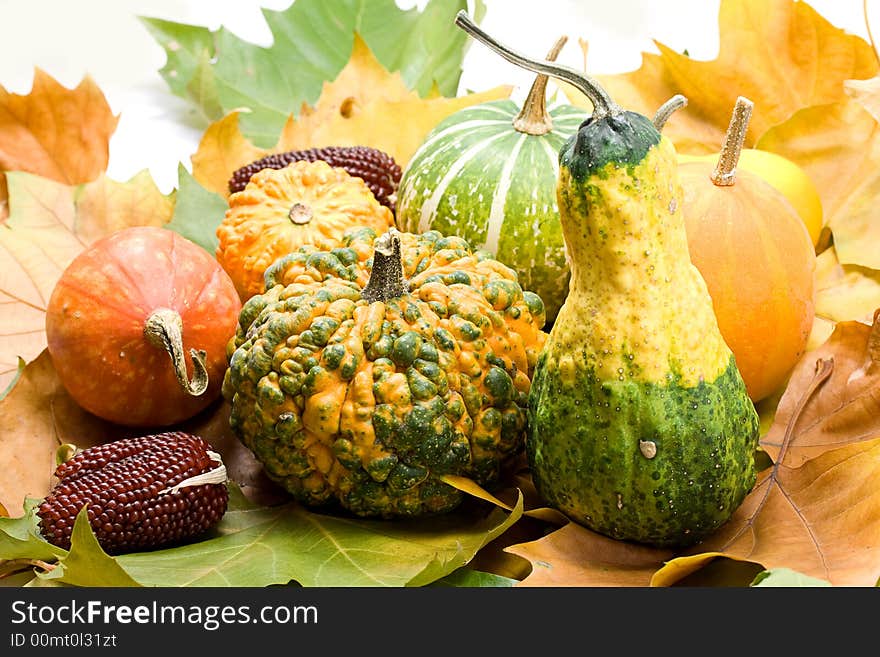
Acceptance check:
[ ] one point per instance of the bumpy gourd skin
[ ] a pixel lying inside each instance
(369, 404)
(639, 423)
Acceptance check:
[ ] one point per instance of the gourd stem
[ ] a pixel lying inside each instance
(667, 109)
(386, 278)
(725, 170)
(602, 103)
(533, 118)
(164, 329)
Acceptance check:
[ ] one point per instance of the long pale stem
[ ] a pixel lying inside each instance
(602, 103)
(725, 169)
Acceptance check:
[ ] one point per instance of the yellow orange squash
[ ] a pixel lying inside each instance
(280, 210)
(784, 175)
(757, 259)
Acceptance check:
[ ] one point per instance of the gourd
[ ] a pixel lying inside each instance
(365, 374)
(784, 175)
(122, 318)
(640, 427)
(757, 259)
(487, 173)
(279, 210)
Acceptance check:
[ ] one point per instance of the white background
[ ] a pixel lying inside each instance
(157, 130)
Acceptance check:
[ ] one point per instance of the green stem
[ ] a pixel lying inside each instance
(386, 277)
(602, 103)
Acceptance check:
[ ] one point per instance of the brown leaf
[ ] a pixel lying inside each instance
(576, 556)
(365, 105)
(38, 416)
(683, 568)
(30, 434)
(820, 519)
(49, 224)
(845, 409)
(56, 132)
(780, 54)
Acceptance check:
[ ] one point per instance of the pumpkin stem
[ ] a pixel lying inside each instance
(667, 109)
(533, 118)
(164, 329)
(300, 214)
(386, 278)
(602, 103)
(725, 169)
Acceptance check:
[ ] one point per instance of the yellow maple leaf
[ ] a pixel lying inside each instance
(59, 133)
(366, 105)
(781, 54)
(838, 145)
(48, 225)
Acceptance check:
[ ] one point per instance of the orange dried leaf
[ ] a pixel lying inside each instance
(844, 410)
(58, 133)
(576, 556)
(845, 292)
(866, 93)
(28, 434)
(49, 224)
(820, 519)
(222, 150)
(780, 54)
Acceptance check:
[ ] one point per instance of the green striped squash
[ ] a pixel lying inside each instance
(488, 174)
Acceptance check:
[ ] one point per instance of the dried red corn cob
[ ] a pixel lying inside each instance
(376, 168)
(130, 487)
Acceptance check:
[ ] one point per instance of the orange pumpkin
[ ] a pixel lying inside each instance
(125, 314)
(280, 210)
(757, 259)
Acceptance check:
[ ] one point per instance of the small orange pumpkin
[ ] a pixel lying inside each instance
(280, 210)
(757, 258)
(124, 315)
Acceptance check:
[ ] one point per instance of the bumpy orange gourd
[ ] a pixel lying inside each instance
(364, 375)
(280, 210)
(757, 259)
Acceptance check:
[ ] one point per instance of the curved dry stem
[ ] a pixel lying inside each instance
(667, 109)
(868, 28)
(164, 329)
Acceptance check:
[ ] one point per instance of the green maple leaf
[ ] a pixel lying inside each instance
(265, 545)
(312, 41)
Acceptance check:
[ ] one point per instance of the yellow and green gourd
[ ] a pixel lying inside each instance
(640, 426)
